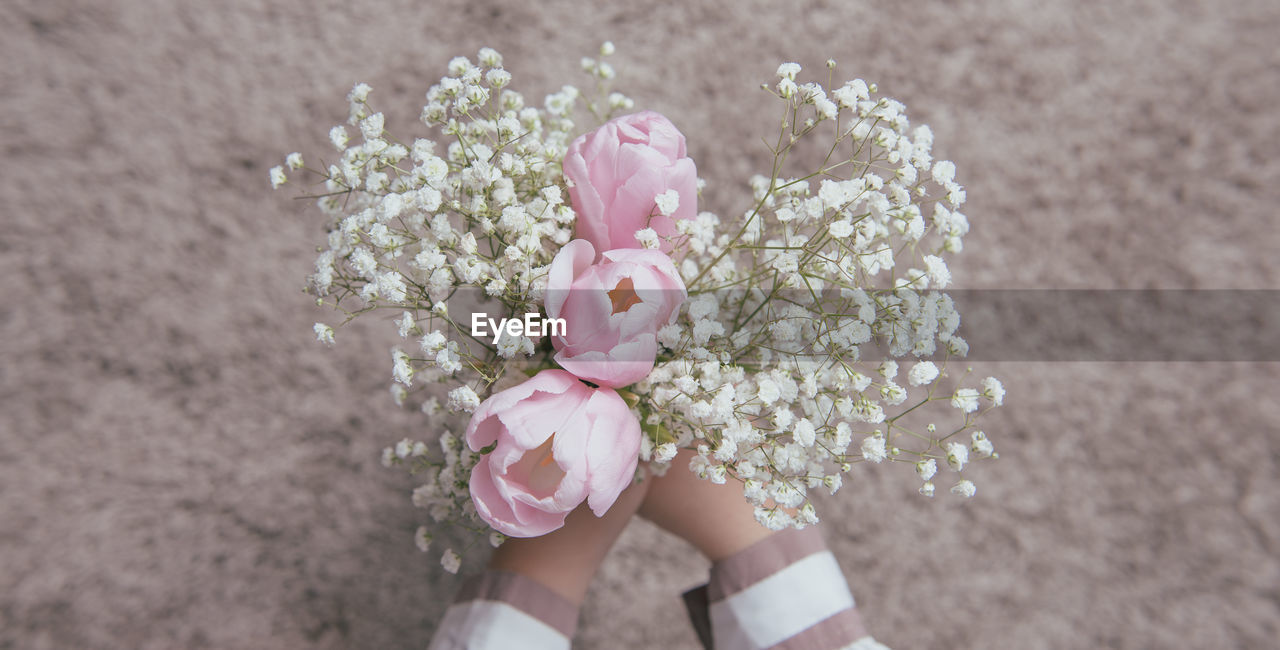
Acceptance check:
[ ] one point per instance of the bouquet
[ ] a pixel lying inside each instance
(548, 267)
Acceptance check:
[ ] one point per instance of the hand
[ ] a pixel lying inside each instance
(716, 519)
(565, 559)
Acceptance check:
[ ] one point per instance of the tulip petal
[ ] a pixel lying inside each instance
(573, 259)
(586, 312)
(682, 176)
(534, 513)
(613, 449)
(622, 365)
(634, 205)
(496, 510)
(615, 172)
(531, 421)
(481, 433)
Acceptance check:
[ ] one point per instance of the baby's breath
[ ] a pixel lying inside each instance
(476, 203)
(762, 375)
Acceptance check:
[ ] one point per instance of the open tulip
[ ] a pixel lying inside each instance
(617, 171)
(612, 310)
(555, 443)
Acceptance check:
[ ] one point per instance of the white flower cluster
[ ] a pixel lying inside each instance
(799, 426)
(480, 205)
(762, 373)
(444, 492)
(414, 222)
(767, 373)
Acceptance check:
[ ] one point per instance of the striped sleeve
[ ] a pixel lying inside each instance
(498, 610)
(785, 592)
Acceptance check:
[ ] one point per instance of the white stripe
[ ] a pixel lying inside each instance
(492, 625)
(782, 605)
(866, 643)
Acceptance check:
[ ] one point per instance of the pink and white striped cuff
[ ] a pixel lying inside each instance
(785, 591)
(498, 610)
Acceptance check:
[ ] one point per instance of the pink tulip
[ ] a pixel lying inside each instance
(616, 171)
(612, 310)
(556, 443)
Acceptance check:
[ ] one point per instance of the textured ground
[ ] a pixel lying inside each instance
(182, 467)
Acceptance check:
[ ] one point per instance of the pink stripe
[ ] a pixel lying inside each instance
(526, 595)
(836, 631)
(761, 560)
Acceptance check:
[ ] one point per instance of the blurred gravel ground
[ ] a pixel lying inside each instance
(182, 467)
